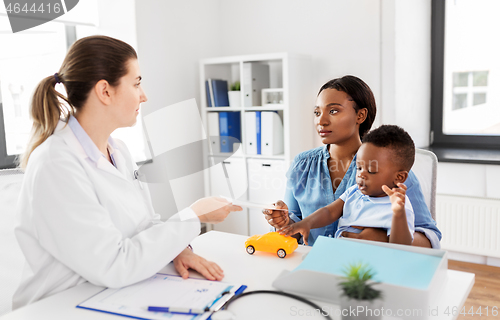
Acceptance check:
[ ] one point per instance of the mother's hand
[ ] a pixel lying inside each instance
(374, 234)
(277, 218)
(188, 260)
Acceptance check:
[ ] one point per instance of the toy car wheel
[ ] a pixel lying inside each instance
(281, 253)
(250, 249)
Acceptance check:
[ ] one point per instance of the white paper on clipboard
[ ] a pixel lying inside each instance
(160, 290)
(254, 205)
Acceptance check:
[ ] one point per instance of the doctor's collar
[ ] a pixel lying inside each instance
(87, 144)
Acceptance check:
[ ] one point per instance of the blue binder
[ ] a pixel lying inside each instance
(229, 130)
(219, 88)
(257, 130)
(209, 95)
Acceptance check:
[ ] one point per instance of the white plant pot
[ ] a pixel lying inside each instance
(234, 99)
(352, 309)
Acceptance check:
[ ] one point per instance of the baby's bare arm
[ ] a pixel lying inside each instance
(400, 233)
(319, 218)
(327, 215)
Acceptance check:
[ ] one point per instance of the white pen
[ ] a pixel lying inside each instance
(222, 302)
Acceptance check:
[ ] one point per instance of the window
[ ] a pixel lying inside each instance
(465, 74)
(469, 89)
(25, 59)
(29, 56)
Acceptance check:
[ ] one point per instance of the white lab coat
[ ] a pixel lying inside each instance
(85, 221)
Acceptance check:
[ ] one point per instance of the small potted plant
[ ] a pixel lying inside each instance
(357, 291)
(234, 95)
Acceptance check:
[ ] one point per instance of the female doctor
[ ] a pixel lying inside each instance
(82, 215)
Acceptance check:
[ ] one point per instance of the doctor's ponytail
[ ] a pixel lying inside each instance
(88, 61)
(46, 110)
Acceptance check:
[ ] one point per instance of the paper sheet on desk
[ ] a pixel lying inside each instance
(252, 205)
(160, 290)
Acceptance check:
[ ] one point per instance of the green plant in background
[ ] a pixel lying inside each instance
(357, 284)
(235, 86)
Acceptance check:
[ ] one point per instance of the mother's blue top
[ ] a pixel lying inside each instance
(309, 187)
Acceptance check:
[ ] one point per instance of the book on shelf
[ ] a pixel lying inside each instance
(208, 90)
(217, 93)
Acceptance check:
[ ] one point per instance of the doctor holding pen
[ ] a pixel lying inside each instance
(83, 215)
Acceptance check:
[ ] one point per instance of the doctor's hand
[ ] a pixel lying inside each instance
(277, 218)
(213, 209)
(188, 260)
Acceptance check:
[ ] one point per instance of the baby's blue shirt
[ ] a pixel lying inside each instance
(365, 211)
(309, 188)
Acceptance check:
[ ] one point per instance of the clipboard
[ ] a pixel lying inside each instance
(160, 290)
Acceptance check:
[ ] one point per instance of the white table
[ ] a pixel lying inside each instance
(257, 272)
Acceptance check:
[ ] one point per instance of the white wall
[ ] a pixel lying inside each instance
(406, 67)
(172, 37)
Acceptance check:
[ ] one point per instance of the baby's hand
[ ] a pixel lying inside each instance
(397, 197)
(298, 227)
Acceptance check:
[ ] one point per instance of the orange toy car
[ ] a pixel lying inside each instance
(271, 242)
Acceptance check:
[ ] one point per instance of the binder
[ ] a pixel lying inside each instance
(213, 131)
(208, 93)
(229, 129)
(251, 132)
(255, 78)
(258, 130)
(271, 133)
(219, 90)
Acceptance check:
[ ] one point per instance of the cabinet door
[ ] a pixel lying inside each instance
(267, 183)
(236, 222)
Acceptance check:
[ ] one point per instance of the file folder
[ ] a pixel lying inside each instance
(219, 90)
(271, 133)
(213, 131)
(255, 78)
(208, 93)
(229, 129)
(251, 132)
(258, 117)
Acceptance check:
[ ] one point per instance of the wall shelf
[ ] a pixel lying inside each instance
(257, 177)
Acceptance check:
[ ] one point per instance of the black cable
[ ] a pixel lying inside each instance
(312, 304)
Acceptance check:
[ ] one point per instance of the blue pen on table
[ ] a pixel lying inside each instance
(192, 311)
